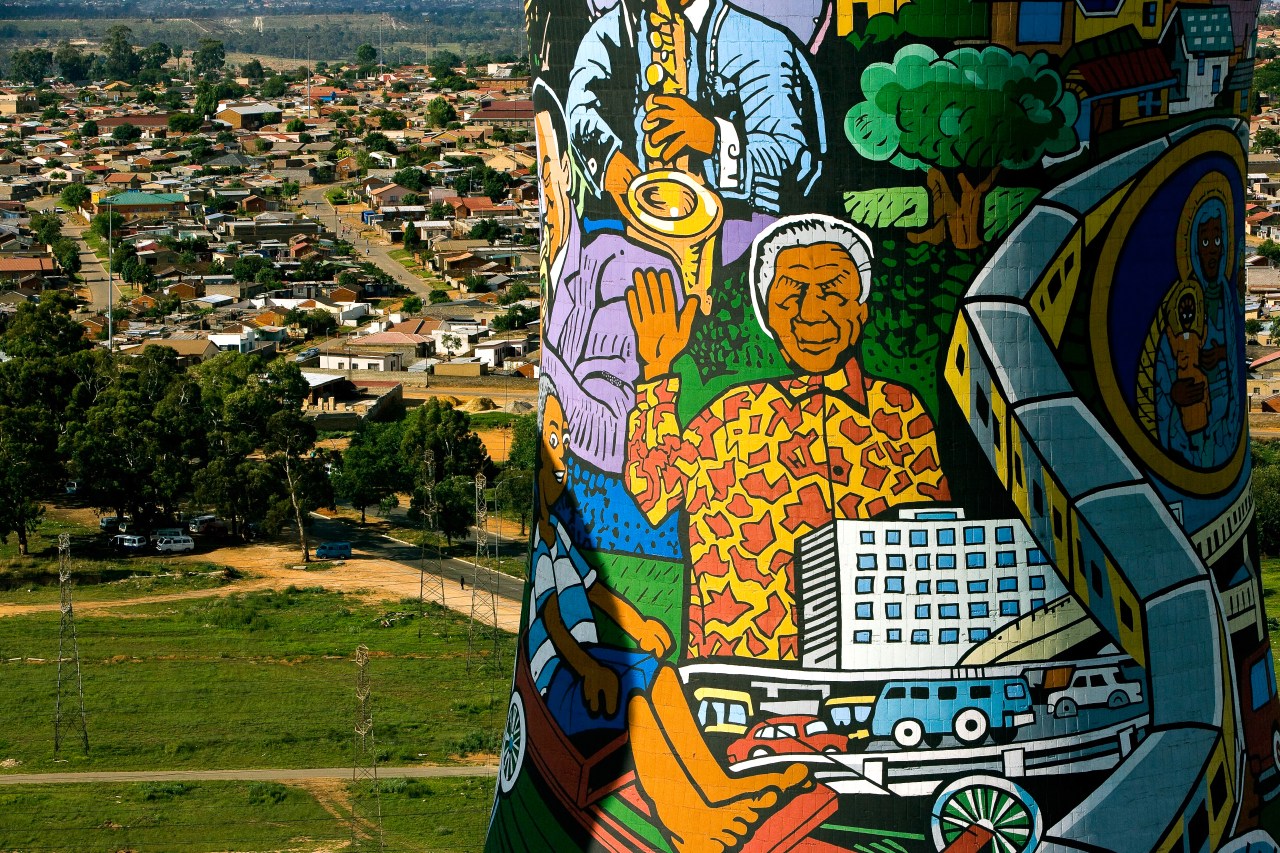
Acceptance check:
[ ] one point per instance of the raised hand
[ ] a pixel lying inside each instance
(662, 329)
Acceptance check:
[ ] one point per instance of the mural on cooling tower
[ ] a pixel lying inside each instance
(894, 482)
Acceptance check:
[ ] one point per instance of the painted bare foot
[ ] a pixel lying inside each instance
(727, 788)
(696, 827)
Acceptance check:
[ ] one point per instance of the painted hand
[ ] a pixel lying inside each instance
(654, 638)
(1211, 356)
(662, 330)
(673, 125)
(1187, 392)
(600, 689)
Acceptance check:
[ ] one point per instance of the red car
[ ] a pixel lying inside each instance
(798, 735)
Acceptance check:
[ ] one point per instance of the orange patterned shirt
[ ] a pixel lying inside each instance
(764, 464)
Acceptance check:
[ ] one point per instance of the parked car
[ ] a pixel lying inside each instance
(796, 735)
(1102, 686)
(72, 487)
(175, 543)
(333, 551)
(309, 352)
(206, 524)
(128, 542)
(162, 532)
(109, 524)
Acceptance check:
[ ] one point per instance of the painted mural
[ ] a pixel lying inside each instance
(894, 480)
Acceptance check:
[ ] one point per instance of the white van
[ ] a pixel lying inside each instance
(175, 543)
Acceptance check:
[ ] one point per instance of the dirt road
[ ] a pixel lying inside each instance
(241, 775)
(381, 569)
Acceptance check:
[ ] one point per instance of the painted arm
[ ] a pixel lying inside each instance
(599, 683)
(651, 635)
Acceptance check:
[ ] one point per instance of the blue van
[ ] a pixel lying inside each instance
(912, 712)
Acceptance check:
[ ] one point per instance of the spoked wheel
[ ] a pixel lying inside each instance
(514, 738)
(985, 814)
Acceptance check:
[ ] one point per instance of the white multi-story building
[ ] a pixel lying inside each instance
(917, 592)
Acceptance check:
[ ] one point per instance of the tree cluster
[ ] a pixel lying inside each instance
(388, 459)
(144, 437)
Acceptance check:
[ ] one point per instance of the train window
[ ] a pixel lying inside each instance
(1096, 577)
(841, 717)
(1198, 829)
(1037, 498)
(1218, 792)
(984, 407)
(919, 692)
(1014, 691)
(981, 691)
(1017, 469)
(1057, 523)
(946, 693)
(1055, 286)
(896, 693)
(960, 360)
(996, 435)
(1126, 615)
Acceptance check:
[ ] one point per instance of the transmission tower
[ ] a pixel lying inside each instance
(484, 604)
(67, 628)
(428, 513)
(365, 767)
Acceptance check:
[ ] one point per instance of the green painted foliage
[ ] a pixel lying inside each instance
(889, 207)
(968, 109)
(1002, 207)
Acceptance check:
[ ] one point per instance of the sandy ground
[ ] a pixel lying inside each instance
(274, 566)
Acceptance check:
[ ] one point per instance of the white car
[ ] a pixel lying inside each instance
(1091, 687)
(175, 543)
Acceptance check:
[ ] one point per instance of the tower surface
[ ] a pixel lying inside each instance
(894, 484)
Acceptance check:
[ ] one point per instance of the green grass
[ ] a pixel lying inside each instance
(257, 680)
(96, 244)
(492, 420)
(203, 817)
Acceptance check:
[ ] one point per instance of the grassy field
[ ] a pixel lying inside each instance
(257, 680)
(443, 815)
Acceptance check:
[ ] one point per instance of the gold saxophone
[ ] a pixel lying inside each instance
(667, 206)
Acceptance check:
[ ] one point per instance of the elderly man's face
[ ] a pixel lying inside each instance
(813, 306)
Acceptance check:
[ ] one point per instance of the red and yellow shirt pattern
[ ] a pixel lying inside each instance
(763, 465)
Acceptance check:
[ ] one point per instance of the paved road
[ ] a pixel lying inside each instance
(318, 207)
(93, 274)
(240, 775)
(410, 556)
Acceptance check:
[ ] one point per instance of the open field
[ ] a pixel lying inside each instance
(442, 815)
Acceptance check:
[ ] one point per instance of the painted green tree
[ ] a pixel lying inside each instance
(965, 117)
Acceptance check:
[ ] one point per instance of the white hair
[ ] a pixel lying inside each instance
(546, 388)
(806, 230)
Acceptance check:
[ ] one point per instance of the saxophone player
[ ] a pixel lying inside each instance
(745, 112)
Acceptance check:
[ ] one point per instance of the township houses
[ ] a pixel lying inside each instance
(249, 116)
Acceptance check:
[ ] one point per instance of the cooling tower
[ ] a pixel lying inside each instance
(894, 490)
